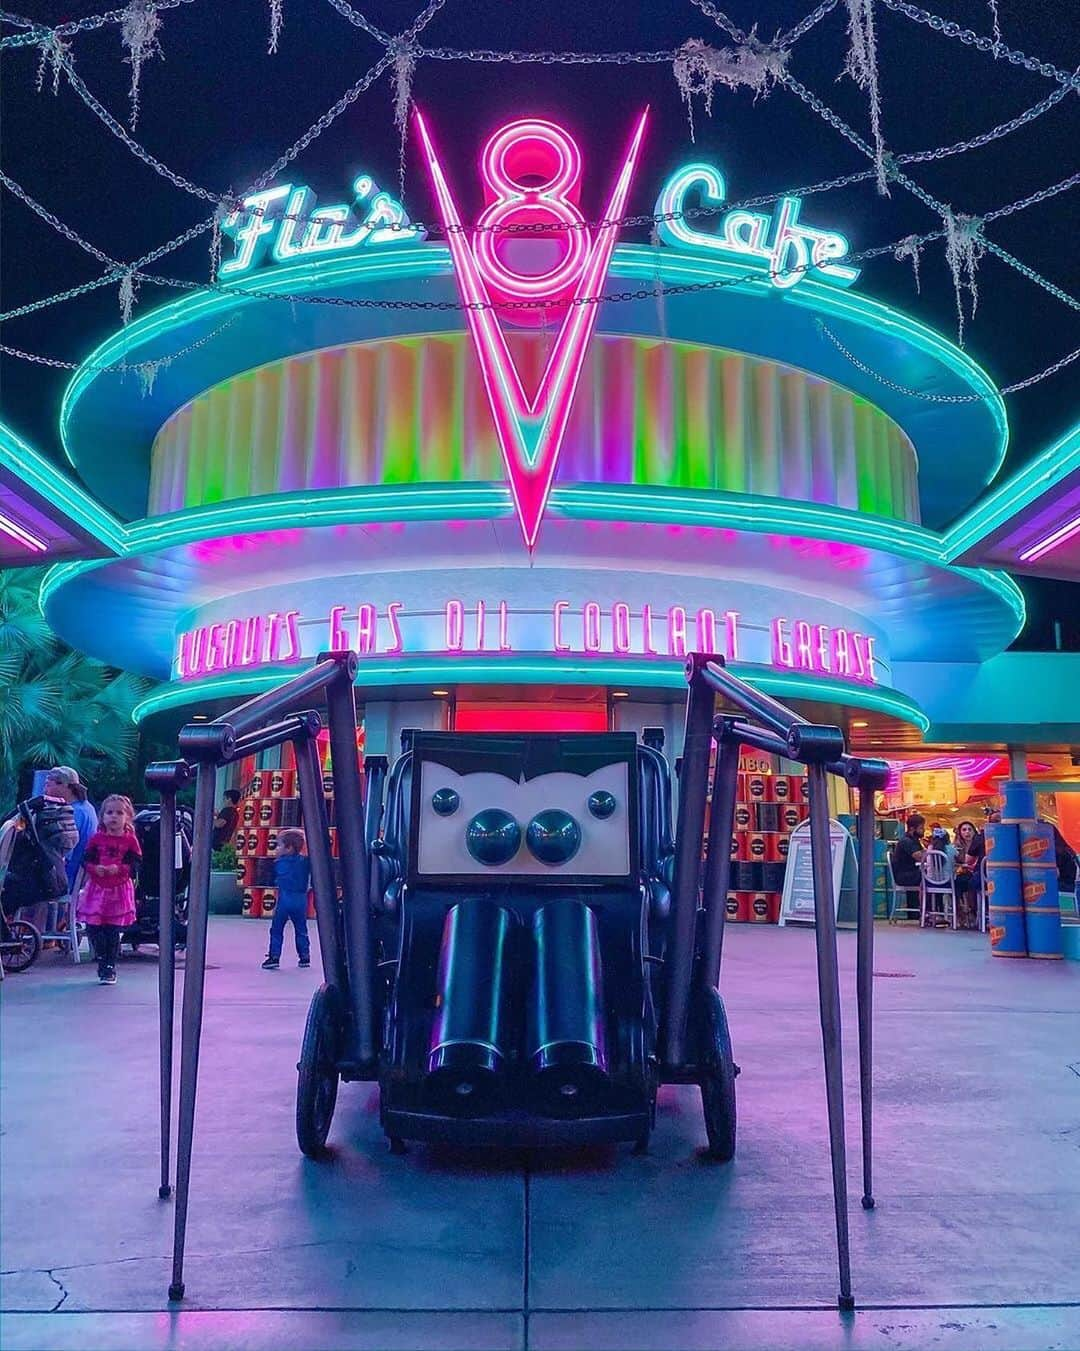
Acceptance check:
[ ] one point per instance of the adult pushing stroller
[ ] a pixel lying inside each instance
(34, 841)
(148, 882)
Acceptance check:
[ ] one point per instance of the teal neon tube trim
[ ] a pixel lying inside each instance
(631, 261)
(543, 670)
(767, 515)
(479, 501)
(639, 261)
(1011, 497)
(47, 480)
(292, 279)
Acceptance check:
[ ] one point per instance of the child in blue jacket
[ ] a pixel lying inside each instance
(291, 877)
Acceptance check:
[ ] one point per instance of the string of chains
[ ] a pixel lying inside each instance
(230, 202)
(927, 397)
(815, 16)
(135, 269)
(358, 21)
(123, 367)
(39, 33)
(149, 367)
(893, 171)
(984, 44)
(896, 175)
(436, 228)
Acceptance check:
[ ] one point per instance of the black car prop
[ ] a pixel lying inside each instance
(520, 950)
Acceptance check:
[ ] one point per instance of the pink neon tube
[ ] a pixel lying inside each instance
(21, 536)
(1060, 536)
(530, 431)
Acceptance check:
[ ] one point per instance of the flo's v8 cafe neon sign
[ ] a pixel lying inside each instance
(531, 172)
(283, 223)
(787, 248)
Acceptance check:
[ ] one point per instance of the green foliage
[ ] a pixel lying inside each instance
(58, 707)
(224, 860)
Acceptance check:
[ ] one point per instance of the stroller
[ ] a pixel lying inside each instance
(147, 884)
(34, 841)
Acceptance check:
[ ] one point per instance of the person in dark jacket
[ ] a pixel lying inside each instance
(907, 854)
(227, 819)
(291, 876)
(1065, 857)
(970, 849)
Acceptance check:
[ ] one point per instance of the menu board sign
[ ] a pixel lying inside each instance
(928, 787)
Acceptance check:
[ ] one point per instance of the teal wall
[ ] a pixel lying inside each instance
(1020, 697)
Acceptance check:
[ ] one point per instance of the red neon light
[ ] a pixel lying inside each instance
(540, 718)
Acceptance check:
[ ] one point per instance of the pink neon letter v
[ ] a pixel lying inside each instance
(530, 431)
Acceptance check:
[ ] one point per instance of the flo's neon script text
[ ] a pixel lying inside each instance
(789, 249)
(283, 223)
(586, 629)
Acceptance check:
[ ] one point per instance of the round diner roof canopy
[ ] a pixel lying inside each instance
(108, 424)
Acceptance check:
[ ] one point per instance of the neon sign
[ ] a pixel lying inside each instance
(257, 640)
(531, 170)
(822, 650)
(563, 628)
(300, 229)
(784, 245)
(20, 535)
(1057, 537)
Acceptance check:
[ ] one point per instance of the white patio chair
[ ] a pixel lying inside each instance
(899, 909)
(937, 880)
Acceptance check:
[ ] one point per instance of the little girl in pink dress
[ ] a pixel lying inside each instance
(107, 901)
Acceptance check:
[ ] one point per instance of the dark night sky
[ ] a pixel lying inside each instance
(219, 110)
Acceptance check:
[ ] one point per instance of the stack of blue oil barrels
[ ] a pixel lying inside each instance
(1021, 879)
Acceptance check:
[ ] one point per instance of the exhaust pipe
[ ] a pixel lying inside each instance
(566, 1041)
(468, 1047)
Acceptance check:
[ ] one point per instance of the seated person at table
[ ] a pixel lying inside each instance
(907, 855)
(970, 848)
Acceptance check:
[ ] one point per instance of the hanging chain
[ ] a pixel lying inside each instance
(984, 138)
(970, 39)
(358, 21)
(191, 233)
(122, 134)
(1042, 375)
(898, 176)
(40, 32)
(927, 397)
(815, 16)
(435, 228)
(72, 293)
(1034, 198)
(123, 366)
(57, 224)
(1032, 275)
(721, 20)
(521, 58)
(318, 127)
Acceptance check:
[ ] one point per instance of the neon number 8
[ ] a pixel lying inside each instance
(532, 171)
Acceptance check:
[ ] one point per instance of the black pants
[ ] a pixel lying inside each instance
(105, 941)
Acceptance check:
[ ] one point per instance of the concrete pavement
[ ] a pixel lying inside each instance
(975, 1242)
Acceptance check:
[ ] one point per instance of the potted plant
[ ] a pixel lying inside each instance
(226, 896)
